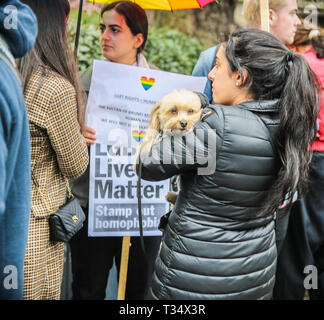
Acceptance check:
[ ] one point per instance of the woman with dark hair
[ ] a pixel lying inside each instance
(136, 20)
(55, 109)
(124, 28)
(304, 243)
(219, 241)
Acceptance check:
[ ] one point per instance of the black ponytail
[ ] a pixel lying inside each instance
(298, 110)
(274, 72)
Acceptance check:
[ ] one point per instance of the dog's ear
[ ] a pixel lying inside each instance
(154, 117)
(203, 99)
(152, 131)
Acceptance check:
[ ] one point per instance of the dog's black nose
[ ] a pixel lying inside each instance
(183, 123)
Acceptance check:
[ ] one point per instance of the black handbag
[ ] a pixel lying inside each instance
(67, 220)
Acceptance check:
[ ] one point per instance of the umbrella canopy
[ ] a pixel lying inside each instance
(168, 5)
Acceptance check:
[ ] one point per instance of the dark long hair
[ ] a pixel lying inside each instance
(51, 50)
(314, 37)
(318, 45)
(135, 18)
(274, 72)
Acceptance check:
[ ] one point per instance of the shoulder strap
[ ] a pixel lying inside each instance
(69, 194)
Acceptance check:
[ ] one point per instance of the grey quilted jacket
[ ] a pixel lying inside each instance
(215, 246)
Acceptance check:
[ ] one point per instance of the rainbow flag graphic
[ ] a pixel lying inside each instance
(147, 83)
(138, 135)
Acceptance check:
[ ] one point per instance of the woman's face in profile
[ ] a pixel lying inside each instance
(223, 80)
(117, 42)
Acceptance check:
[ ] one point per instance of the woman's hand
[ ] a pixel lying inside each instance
(89, 135)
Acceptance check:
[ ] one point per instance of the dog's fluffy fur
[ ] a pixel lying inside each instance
(175, 113)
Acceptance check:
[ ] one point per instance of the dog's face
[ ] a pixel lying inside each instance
(177, 111)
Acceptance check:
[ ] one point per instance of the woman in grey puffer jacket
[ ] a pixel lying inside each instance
(219, 242)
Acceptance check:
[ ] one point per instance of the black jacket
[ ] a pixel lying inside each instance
(214, 246)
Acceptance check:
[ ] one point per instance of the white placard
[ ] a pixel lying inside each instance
(119, 104)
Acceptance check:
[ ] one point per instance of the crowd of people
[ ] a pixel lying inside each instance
(247, 230)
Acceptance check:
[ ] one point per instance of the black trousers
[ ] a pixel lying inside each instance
(92, 259)
(281, 231)
(304, 242)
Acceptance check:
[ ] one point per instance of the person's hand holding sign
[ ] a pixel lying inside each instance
(89, 134)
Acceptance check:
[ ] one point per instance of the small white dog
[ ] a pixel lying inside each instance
(175, 113)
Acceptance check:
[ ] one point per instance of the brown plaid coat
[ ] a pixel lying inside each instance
(58, 152)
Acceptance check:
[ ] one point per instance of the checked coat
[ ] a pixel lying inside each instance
(58, 153)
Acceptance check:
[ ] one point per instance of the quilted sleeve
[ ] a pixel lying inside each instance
(195, 152)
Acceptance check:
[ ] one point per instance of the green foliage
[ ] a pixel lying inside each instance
(89, 47)
(167, 49)
(171, 50)
(88, 17)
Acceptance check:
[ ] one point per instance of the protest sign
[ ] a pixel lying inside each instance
(119, 104)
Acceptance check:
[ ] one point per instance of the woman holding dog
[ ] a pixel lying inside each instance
(124, 28)
(219, 242)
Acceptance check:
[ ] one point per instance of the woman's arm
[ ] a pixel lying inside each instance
(179, 154)
(65, 134)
